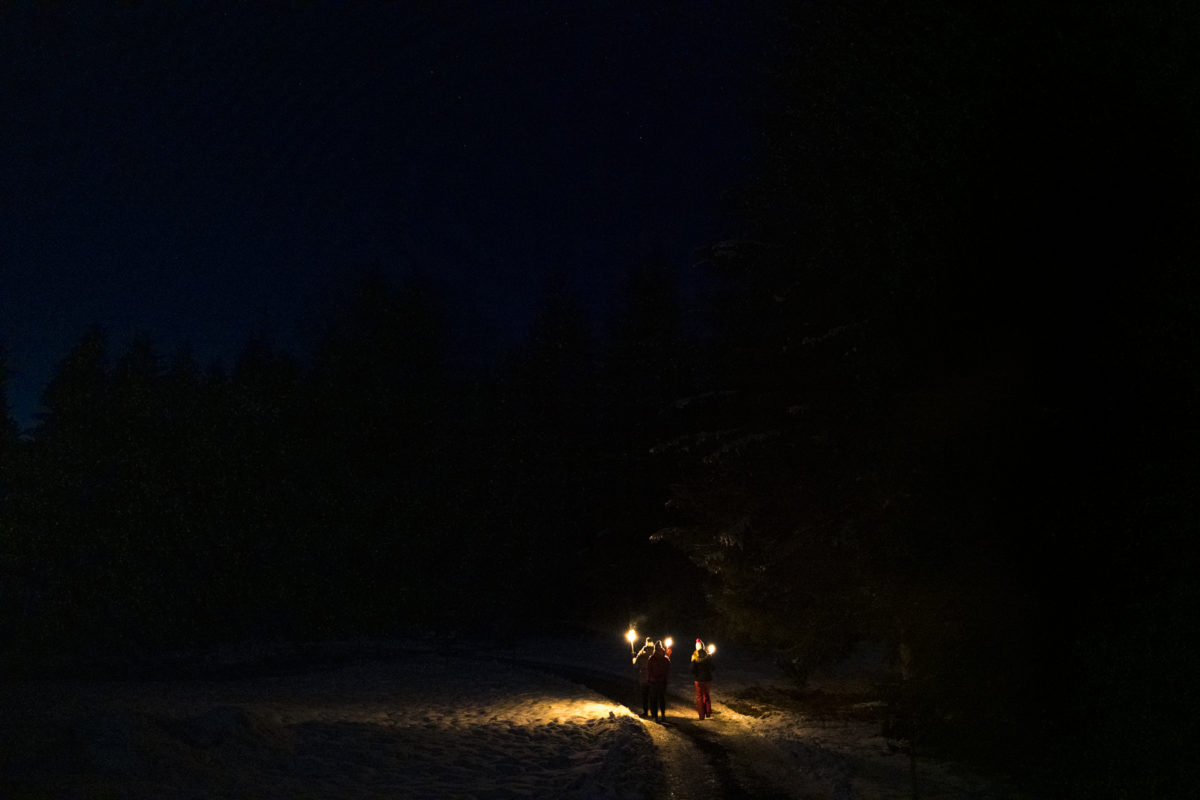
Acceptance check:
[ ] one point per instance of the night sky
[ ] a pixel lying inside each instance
(204, 176)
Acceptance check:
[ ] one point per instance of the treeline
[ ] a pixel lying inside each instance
(368, 486)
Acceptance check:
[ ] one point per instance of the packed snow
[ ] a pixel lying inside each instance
(417, 720)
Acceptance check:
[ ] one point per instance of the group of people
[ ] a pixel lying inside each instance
(653, 664)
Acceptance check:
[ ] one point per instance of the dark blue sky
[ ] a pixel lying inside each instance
(201, 176)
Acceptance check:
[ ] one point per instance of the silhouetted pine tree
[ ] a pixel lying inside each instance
(544, 471)
(923, 424)
(63, 508)
(391, 436)
(8, 425)
(862, 417)
(264, 506)
(13, 577)
(648, 368)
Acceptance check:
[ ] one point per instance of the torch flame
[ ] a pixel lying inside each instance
(712, 648)
(631, 636)
(668, 641)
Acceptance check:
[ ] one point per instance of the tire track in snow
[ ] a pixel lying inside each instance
(696, 765)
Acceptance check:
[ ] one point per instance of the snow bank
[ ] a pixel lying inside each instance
(420, 726)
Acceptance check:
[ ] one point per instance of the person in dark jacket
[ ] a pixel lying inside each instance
(658, 671)
(702, 669)
(641, 664)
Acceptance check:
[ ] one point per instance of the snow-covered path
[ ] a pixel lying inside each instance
(688, 769)
(547, 720)
(771, 753)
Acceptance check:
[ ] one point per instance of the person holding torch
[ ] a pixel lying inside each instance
(659, 670)
(641, 663)
(702, 669)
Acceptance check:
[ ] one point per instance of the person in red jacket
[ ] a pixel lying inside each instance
(658, 671)
(702, 668)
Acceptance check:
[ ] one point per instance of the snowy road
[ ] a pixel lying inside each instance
(771, 752)
(694, 767)
(719, 757)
